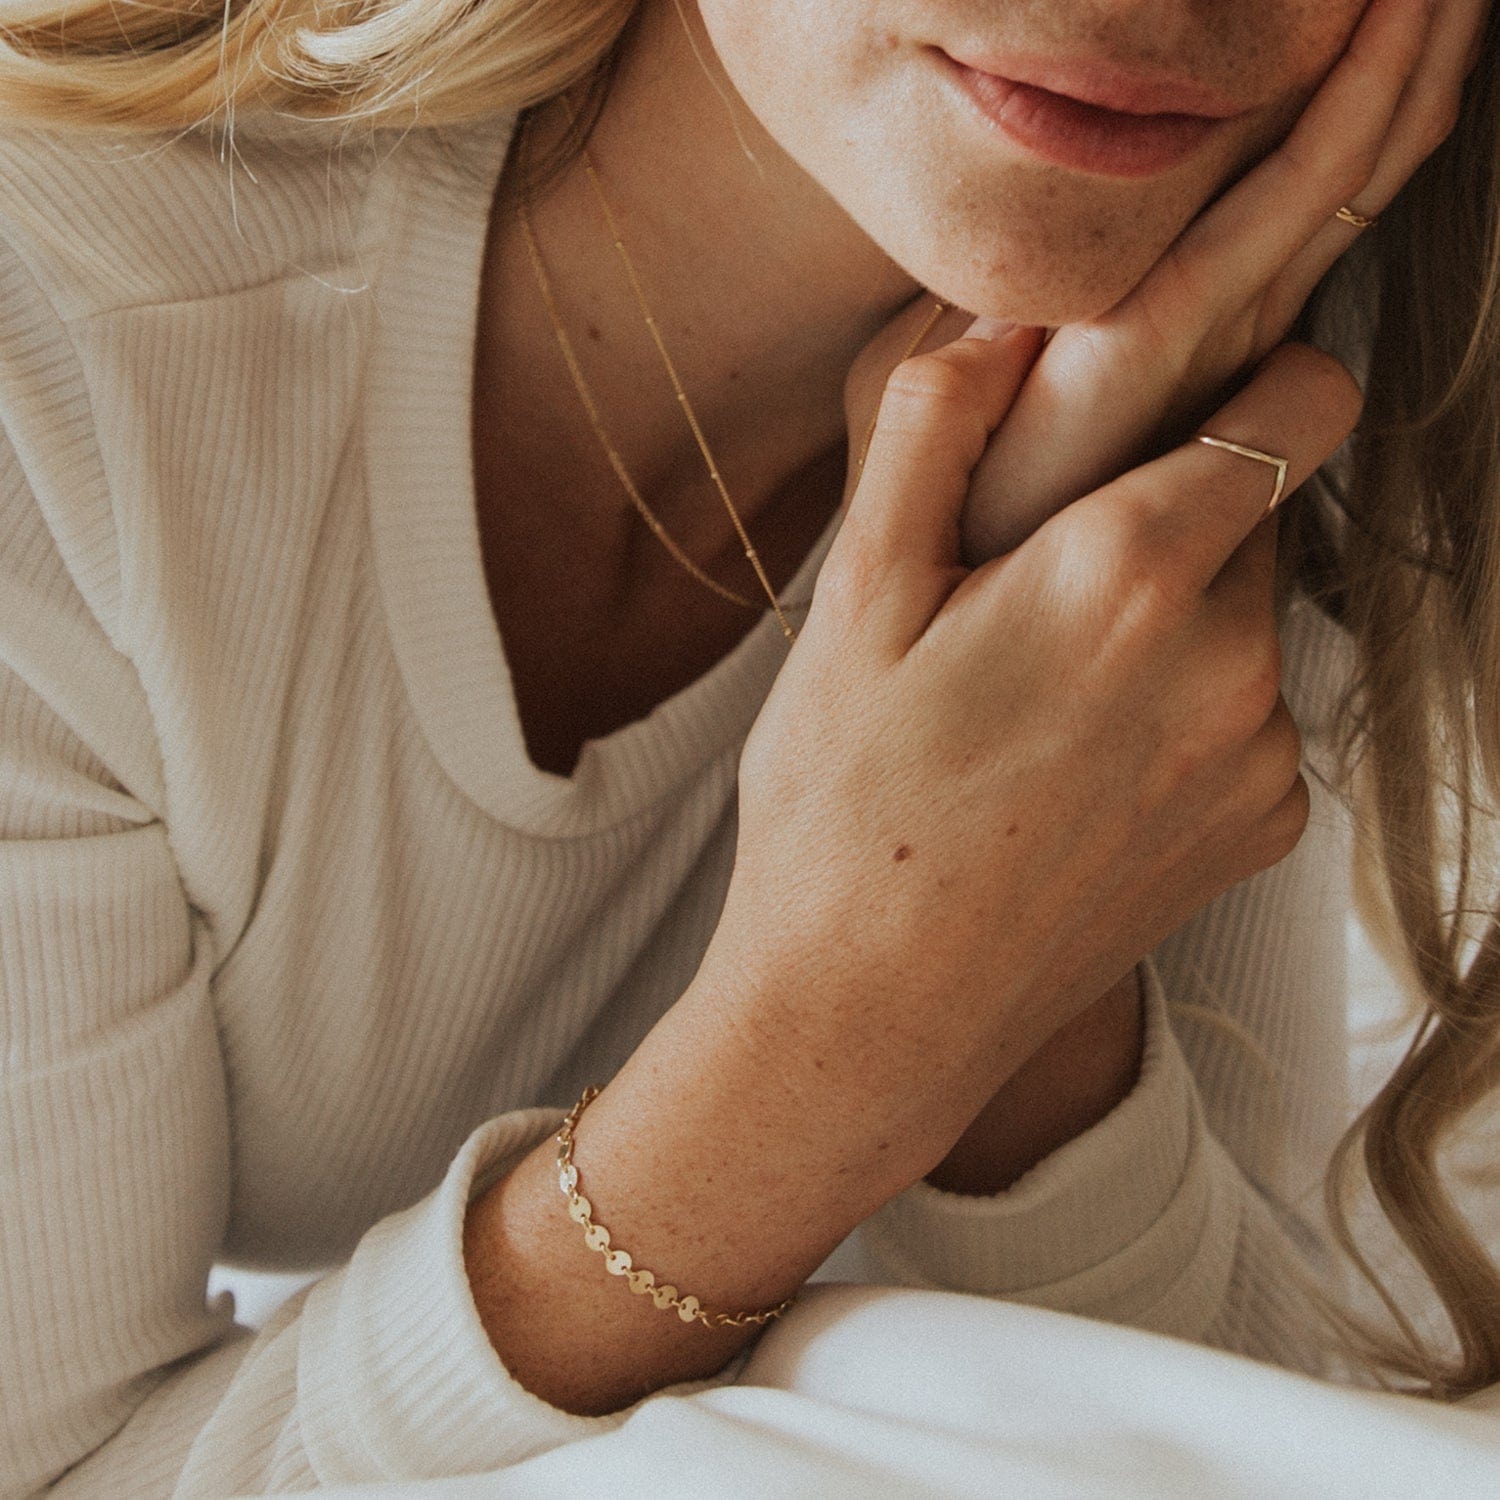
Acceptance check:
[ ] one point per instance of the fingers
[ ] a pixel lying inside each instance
(913, 328)
(1429, 105)
(1424, 119)
(899, 538)
(1267, 780)
(1262, 224)
(1272, 778)
(1197, 505)
(1257, 787)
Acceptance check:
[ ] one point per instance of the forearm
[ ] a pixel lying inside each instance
(1070, 1084)
(709, 1174)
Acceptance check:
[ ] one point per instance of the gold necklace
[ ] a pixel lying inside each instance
(575, 370)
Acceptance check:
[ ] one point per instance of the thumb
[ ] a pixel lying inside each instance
(936, 414)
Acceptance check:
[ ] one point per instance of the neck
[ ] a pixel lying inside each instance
(763, 288)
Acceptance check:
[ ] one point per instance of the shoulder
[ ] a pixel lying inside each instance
(127, 268)
(104, 222)
(156, 287)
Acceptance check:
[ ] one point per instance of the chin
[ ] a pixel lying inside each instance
(1040, 256)
(1032, 283)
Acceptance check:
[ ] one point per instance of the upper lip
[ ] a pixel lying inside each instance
(1126, 88)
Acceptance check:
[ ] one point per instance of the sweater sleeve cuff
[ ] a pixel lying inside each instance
(396, 1377)
(1117, 1223)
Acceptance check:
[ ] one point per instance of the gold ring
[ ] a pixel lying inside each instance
(1281, 465)
(1358, 220)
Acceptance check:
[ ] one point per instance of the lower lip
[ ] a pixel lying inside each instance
(1080, 136)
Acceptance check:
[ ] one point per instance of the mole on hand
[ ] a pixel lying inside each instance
(903, 852)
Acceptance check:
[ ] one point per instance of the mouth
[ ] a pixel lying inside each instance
(1091, 116)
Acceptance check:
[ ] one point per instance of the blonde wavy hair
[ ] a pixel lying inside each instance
(1406, 554)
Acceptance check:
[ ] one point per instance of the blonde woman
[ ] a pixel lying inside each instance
(415, 704)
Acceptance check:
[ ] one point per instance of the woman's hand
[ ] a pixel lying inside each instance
(1106, 394)
(975, 798)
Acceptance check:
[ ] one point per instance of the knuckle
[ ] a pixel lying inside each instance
(1237, 712)
(851, 573)
(1283, 828)
(935, 397)
(933, 381)
(1283, 755)
(1275, 749)
(1337, 173)
(1348, 179)
(1140, 565)
(1155, 599)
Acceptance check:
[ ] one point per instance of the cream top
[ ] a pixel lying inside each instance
(298, 949)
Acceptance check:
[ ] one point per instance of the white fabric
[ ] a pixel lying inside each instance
(896, 1393)
(299, 950)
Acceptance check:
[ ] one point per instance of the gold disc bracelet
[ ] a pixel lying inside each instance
(618, 1262)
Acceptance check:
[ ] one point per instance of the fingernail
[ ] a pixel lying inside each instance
(989, 328)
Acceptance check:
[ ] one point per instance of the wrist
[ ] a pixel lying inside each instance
(702, 1175)
(845, 1083)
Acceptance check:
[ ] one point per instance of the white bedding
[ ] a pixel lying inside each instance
(882, 1391)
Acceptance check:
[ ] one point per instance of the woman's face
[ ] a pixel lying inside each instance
(1014, 201)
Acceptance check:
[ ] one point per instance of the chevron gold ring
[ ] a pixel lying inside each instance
(1281, 465)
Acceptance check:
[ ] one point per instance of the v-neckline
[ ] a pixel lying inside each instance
(425, 531)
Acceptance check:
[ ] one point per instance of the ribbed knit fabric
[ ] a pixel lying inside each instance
(298, 949)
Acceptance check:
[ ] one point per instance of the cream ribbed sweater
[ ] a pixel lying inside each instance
(297, 947)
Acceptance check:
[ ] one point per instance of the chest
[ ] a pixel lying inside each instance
(602, 625)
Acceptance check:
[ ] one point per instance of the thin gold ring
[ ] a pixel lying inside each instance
(1358, 220)
(1281, 465)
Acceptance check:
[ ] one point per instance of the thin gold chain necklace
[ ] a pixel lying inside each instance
(575, 370)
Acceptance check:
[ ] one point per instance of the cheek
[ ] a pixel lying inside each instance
(782, 55)
(1315, 32)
